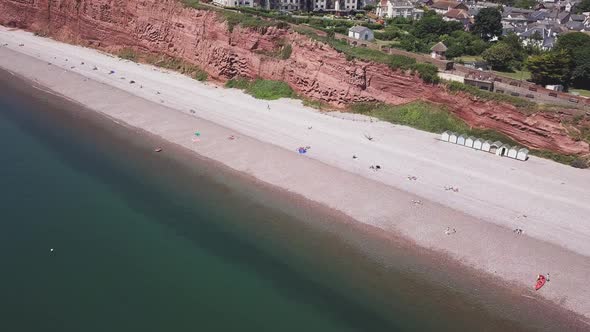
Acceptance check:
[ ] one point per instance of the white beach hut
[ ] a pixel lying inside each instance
(453, 138)
(502, 151)
(486, 146)
(461, 140)
(523, 154)
(469, 141)
(513, 152)
(495, 146)
(477, 144)
(445, 136)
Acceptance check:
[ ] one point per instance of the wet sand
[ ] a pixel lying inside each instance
(369, 197)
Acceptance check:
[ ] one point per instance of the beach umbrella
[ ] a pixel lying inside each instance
(197, 133)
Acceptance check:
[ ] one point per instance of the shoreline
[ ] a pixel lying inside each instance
(367, 245)
(471, 244)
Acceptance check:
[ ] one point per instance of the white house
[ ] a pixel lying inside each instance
(523, 154)
(469, 141)
(502, 150)
(486, 146)
(461, 140)
(399, 8)
(453, 138)
(445, 136)
(361, 33)
(513, 152)
(477, 144)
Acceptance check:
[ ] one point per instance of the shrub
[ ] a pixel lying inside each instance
(201, 75)
(128, 54)
(262, 89)
(428, 72)
(286, 51)
(579, 163)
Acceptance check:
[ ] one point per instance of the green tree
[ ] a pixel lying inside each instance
(525, 4)
(573, 40)
(463, 43)
(583, 6)
(500, 56)
(577, 45)
(488, 23)
(430, 28)
(581, 71)
(551, 68)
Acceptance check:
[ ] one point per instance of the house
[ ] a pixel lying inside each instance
(461, 140)
(458, 15)
(234, 3)
(477, 144)
(361, 33)
(443, 6)
(513, 152)
(486, 146)
(445, 136)
(469, 141)
(541, 34)
(502, 150)
(453, 138)
(523, 154)
(438, 51)
(399, 8)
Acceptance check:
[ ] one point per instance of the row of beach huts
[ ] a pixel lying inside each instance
(500, 149)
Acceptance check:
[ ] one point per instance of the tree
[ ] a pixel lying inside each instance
(551, 68)
(577, 45)
(525, 4)
(583, 6)
(573, 40)
(500, 56)
(581, 71)
(429, 28)
(463, 43)
(488, 23)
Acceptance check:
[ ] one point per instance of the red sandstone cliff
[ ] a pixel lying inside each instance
(313, 69)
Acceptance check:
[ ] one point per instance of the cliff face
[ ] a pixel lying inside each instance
(313, 69)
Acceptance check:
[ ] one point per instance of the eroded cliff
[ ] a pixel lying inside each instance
(313, 69)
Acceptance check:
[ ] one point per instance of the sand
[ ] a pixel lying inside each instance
(549, 201)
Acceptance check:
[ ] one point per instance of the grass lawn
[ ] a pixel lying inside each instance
(582, 92)
(517, 74)
(467, 58)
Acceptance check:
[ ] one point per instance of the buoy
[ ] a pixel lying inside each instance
(51, 249)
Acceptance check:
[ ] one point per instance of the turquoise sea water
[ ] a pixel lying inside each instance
(150, 242)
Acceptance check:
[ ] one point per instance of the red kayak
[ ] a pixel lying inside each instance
(540, 282)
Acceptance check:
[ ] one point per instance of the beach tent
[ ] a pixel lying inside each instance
(469, 141)
(453, 138)
(523, 154)
(503, 150)
(486, 146)
(445, 136)
(461, 140)
(477, 144)
(513, 152)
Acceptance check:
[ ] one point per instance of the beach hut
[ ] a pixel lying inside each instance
(469, 141)
(477, 144)
(495, 146)
(513, 152)
(453, 138)
(502, 151)
(445, 136)
(486, 146)
(461, 140)
(523, 154)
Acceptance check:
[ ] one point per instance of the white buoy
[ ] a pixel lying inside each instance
(51, 249)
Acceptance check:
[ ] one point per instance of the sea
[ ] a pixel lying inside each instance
(98, 232)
